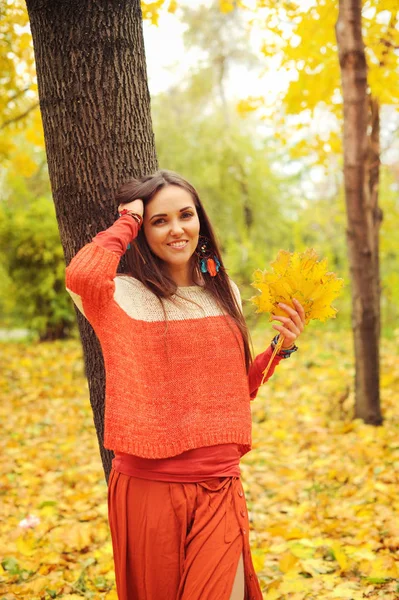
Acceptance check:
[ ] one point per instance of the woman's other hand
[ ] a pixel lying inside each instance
(293, 325)
(135, 206)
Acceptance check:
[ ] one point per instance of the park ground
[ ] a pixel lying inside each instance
(321, 487)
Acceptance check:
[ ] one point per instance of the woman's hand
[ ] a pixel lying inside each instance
(293, 325)
(135, 206)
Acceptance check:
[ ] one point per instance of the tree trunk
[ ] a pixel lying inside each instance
(375, 212)
(95, 107)
(361, 193)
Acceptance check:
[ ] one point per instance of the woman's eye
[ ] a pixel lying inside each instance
(161, 221)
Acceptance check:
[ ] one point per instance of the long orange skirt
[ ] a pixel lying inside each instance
(179, 541)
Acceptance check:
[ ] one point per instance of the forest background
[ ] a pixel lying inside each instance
(265, 155)
(259, 136)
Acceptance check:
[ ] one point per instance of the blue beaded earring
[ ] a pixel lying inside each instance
(208, 261)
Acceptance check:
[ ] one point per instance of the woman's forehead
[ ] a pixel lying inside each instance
(170, 199)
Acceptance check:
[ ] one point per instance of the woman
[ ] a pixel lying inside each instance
(179, 380)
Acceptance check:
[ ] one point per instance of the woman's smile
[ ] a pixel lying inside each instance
(178, 245)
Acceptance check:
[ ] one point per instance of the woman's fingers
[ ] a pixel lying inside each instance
(293, 325)
(301, 310)
(288, 324)
(289, 336)
(298, 317)
(136, 206)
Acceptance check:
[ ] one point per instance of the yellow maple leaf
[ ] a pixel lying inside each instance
(226, 6)
(26, 544)
(340, 555)
(287, 562)
(384, 567)
(301, 276)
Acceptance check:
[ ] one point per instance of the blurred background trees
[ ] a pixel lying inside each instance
(269, 170)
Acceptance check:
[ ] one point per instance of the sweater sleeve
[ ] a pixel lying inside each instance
(89, 276)
(255, 374)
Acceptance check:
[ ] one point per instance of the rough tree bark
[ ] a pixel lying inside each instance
(95, 107)
(361, 170)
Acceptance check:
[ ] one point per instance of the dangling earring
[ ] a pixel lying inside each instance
(208, 261)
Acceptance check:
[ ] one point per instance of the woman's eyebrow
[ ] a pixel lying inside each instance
(165, 214)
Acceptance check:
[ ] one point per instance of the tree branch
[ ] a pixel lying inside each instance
(389, 44)
(19, 117)
(18, 94)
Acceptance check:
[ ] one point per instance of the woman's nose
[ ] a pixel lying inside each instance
(176, 228)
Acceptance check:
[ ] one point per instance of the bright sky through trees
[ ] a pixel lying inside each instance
(168, 59)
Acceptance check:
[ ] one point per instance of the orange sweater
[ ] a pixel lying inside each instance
(171, 385)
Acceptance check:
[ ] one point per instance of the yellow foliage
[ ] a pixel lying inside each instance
(226, 5)
(23, 164)
(26, 544)
(249, 105)
(384, 567)
(321, 488)
(17, 69)
(151, 10)
(315, 55)
(273, 594)
(303, 36)
(20, 116)
(287, 562)
(34, 132)
(340, 555)
(301, 276)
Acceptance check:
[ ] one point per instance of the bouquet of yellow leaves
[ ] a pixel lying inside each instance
(301, 276)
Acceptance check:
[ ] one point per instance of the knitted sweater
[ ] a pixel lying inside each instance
(171, 385)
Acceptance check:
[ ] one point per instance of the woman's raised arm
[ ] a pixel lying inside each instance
(89, 276)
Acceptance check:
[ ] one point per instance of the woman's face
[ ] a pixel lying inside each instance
(171, 226)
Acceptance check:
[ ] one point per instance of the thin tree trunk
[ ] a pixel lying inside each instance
(361, 193)
(375, 211)
(95, 107)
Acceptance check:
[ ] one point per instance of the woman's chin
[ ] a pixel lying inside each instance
(177, 263)
(178, 260)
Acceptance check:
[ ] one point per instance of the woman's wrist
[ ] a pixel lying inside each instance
(283, 352)
(138, 218)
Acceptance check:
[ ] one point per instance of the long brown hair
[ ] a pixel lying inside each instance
(145, 266)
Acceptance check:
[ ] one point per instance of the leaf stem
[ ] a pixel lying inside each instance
(276, 349)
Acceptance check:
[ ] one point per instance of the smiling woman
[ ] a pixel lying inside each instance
(179, 381)
(171, 226)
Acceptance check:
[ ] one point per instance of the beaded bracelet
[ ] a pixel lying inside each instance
(138, 218)
(283, 352)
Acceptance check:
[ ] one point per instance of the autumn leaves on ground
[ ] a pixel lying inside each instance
(322, 490)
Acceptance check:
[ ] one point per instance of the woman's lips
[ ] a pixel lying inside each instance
(178, 245)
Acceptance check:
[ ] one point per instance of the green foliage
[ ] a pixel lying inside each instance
(322, 225)
(230, 167)
(32, 260)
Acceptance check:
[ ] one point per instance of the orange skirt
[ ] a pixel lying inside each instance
(179, 541)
